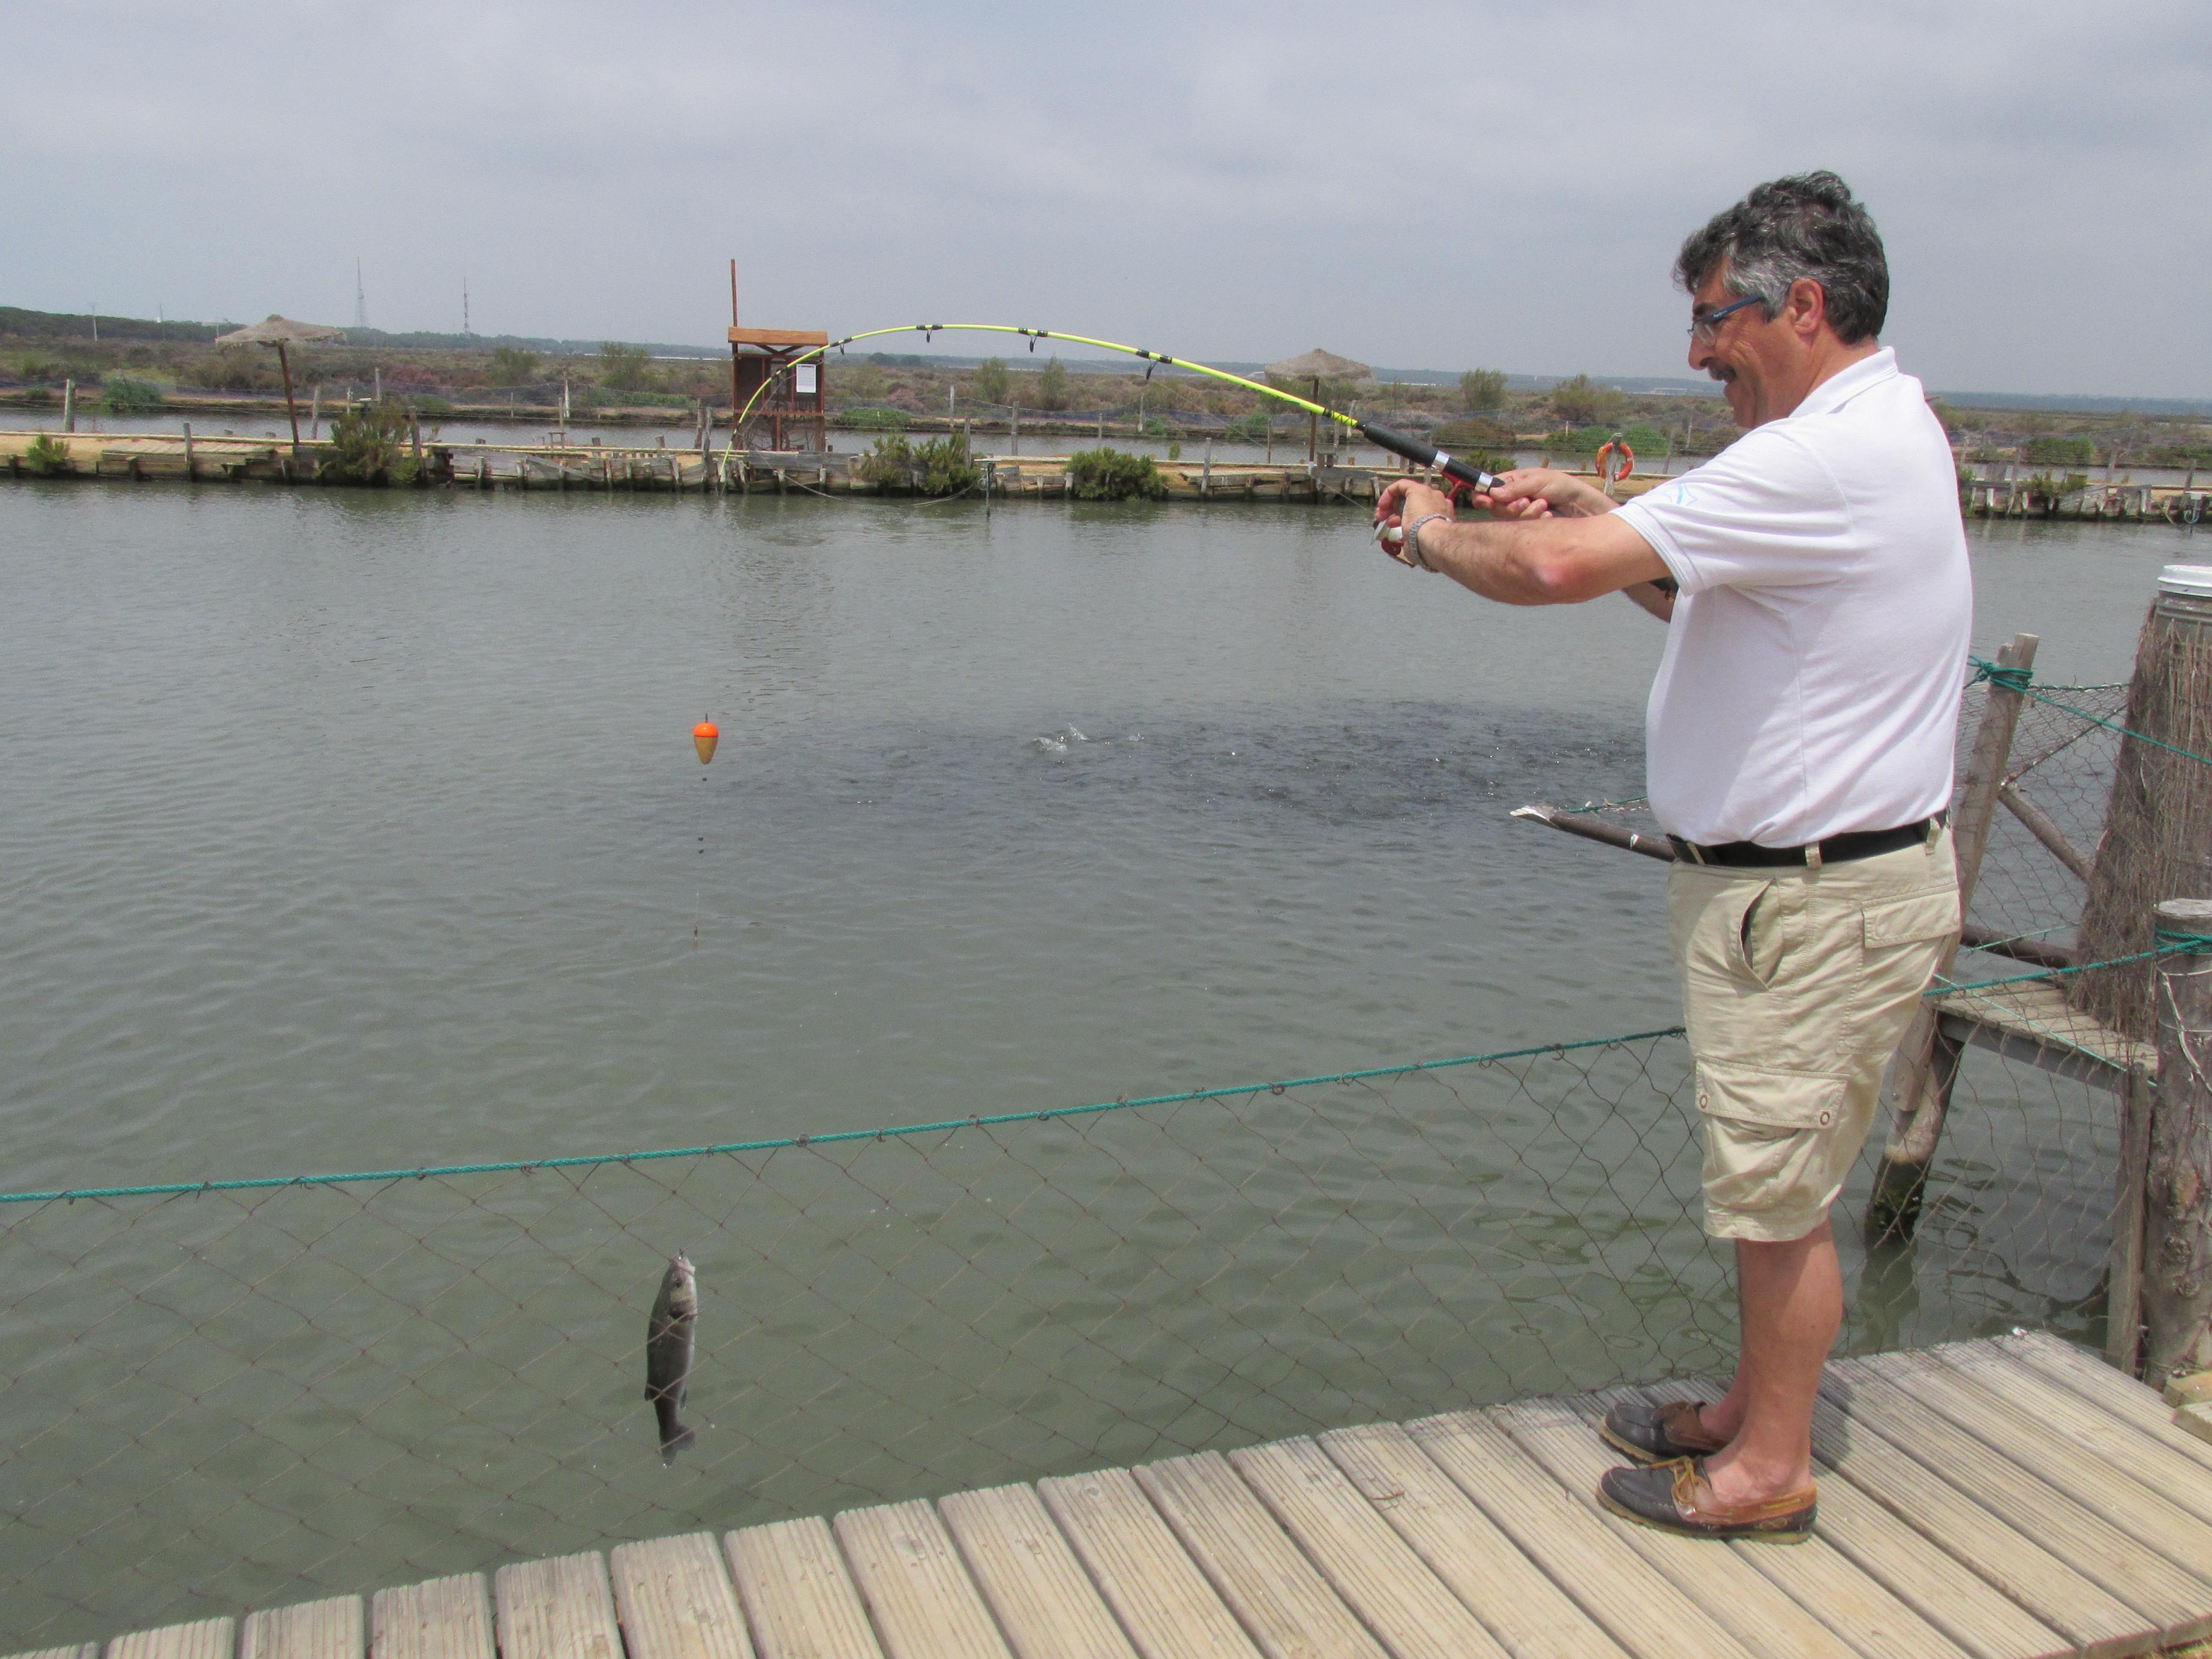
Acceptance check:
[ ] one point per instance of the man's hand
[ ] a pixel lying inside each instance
(1400, 504)
(1535, 492)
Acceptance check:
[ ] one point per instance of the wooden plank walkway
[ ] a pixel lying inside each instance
(2007, 1499)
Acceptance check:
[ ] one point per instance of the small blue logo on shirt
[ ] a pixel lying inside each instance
(1683, 494)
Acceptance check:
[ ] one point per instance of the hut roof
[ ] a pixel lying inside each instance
(279, 330)
(1325, 365)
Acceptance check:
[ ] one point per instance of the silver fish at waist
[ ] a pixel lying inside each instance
(669, 1338)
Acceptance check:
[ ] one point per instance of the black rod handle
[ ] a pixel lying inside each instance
(1421, 453)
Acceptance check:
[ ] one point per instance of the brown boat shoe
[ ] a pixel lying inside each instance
(1658, 1434)
(1675, 1497)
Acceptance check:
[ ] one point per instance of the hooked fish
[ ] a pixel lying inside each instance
(669, 1339)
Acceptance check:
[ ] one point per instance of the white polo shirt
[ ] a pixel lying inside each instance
(1813, 666)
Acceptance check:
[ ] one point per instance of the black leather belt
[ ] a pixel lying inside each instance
(1836, 849)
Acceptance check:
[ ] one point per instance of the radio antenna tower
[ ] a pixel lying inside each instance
(359, 298)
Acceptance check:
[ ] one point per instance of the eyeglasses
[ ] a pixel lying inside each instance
(1707, 327)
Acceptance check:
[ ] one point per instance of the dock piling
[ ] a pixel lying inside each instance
(2176, 1209)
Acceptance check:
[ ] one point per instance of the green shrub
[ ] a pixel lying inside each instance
(125, 396)
(625, 367)
(991, 382)
(2058, 452)
(1248, 428)
(47, 455)
(873, 420)
(1583, 402)
(429, 403)
(370, 445)
(1482, 389)
(1113, 474)
(940, 467)
(1052, 384)
(513, 365)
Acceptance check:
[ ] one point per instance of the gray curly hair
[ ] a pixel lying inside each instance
(1805, 227)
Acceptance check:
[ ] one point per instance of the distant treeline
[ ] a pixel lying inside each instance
(18, 324)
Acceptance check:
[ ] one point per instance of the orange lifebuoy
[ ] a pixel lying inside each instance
(1606, 476)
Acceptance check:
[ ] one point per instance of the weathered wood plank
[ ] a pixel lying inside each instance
(443, 1619)
(562, 1608)
(1952, 1520)
(1533, 1617)
(2061, 1362)
(1731, 1588)
(2172, 1473)
(1980, 1618)
(674, 1601)
(334, 1629)
(1045, 1603)
(2080, 1471)
(923, 1603)
(2146, 1581)
(82, 1650)
(1639, 1606)
(1285, 1605)
(203, 1638)
(795, 1590)
(1409, 1609)
(1164, 1601)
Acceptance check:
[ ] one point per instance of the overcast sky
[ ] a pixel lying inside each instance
(1417, 186)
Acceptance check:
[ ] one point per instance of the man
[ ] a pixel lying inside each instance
(1814, 583)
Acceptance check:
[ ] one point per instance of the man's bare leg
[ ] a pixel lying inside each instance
(1791, 1297)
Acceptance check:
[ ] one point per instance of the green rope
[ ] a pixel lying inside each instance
(2174, 941)
(2019, 680)
(945, 1126)
(1997, 674)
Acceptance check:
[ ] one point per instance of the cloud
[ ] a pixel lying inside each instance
(1419, 185)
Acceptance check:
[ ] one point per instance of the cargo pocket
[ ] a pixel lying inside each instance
(1913, 921)
(1780, 1101)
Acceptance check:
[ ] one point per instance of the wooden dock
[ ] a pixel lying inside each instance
(2004, 1498)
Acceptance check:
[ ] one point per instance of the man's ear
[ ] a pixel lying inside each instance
(1807, 305)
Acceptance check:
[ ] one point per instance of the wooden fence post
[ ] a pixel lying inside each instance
(2177, 1211)
(1927, 1060)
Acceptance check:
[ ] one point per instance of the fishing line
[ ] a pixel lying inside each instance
(1403, 444)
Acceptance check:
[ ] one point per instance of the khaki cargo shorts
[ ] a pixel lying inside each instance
(1797, 986)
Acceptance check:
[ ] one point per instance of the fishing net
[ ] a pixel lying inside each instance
(226, 1397)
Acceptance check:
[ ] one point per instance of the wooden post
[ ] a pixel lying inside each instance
(2177, 1247)
(1927, 1060)
(2124, 1269)
(1313, 427)
(1205, 472)
(291, 409)
(190, 471)
(315, 415)
(1016, 426)
(68, 405)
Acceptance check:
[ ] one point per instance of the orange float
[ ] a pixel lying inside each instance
(703, 737)
(1607, 476)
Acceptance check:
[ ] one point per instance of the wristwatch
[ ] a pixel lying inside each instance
(1413, 537)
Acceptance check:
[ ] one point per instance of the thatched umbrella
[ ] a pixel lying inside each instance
(1317, 366)
(282, 331)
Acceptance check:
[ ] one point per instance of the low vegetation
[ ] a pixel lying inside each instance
(48, 456)
(940, 466)
(1113, 475)
(121, 395)
(372, 444)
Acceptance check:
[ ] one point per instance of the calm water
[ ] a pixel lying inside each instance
(354, 829)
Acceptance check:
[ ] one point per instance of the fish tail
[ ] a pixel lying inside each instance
(681, 1440)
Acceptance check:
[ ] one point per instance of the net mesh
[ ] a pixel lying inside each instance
(234, 1398)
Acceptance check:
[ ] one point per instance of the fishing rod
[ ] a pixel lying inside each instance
(1419, 451)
